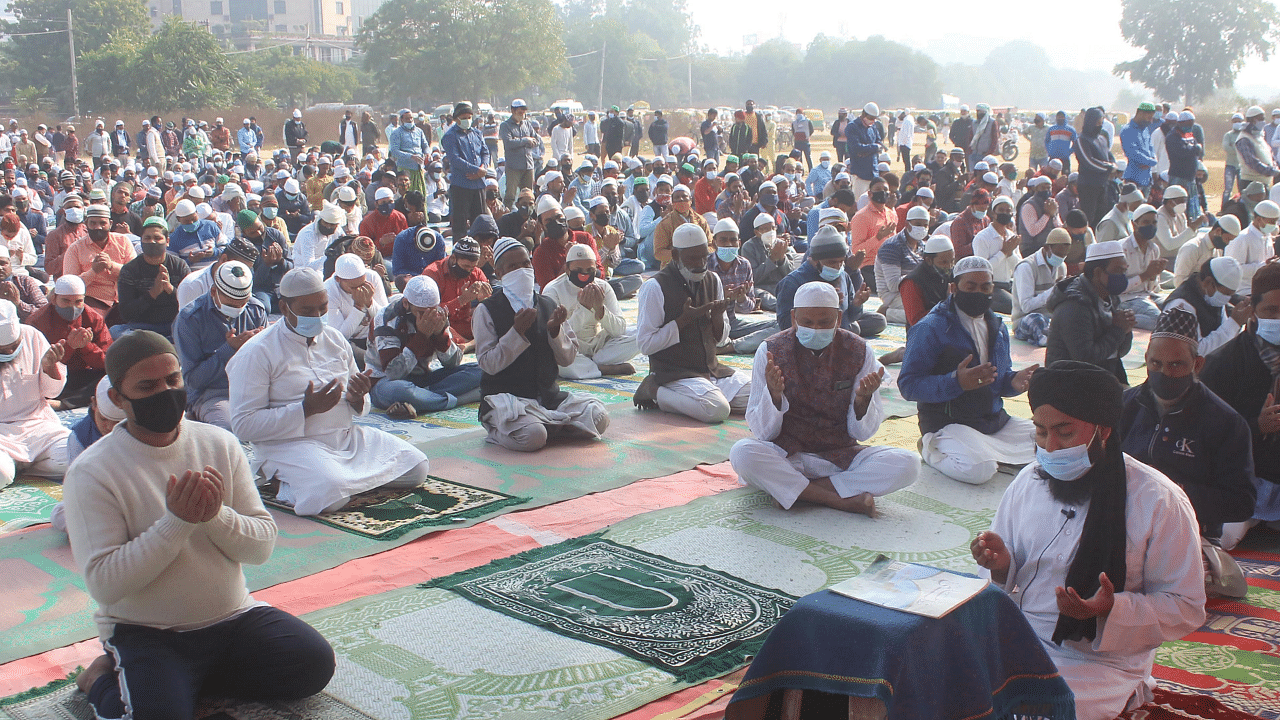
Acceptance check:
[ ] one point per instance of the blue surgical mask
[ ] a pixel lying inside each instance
(1067, 464)
(979, 213)
(269, 212)
(727, 254)
(1218, 299)
(1269, 330)
(813, 338)
(190, 227)
(829, 273)
(309, 327)
(9, 357)
(1054, 260)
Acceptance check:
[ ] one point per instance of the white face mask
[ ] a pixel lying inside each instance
(230, 311)
(1269, 229)
(768, 238)
(518, 286)
(916, 232)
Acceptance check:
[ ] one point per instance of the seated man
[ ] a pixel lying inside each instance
(1088, 323)
(209, 332)
(461, 284)
(148, 294)
(771, 258)
(296, 393)
(68, 319)
(356, 296)
(194, 239)
(998, 243)
(1034, 281)
(32, 440)
(814, 398)
(24, 291)
(199, 282)
(1240, 373)
(103, 415)
(521, 343)
(98, 258)
(1144, 265)
(682, 320)
(958, 371)
(1175, 424)
(605, 345)
(930, 283)
(1207, 295)
(896, 259)
(1099, 551)
(407, 335)
(829, 261)
(1206, 245)
(737, 281)
(159, 508)
(273, 260)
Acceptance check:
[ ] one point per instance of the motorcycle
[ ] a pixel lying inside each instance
(1009, 145)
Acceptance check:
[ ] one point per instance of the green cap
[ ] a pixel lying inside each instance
(1146, 107)
(731, 158)
(246, 218)
(748, 156)
(157, 221)
(641, 181)
(615, 108)
(689, 169)
(223, 179)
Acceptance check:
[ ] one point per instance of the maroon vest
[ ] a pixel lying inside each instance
(819, 389)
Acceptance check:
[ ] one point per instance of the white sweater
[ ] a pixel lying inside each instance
(141, 563)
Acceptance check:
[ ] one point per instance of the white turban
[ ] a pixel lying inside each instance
(69, 285)
(333, 214)
(817, 295)
(421, 291)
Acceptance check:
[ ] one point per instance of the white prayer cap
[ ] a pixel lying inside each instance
(1230, 224)
(341, 171)
(282, 174)
(546, 204)
(981, 165)
(301, 281)
(231, 190)
(829, 215)
(1038, 181)
(763, 219)
(1002, 200)
(1134, 196)
(184, 208)
(349, 266)
(1104, 250)
(609, 182)
(383, 193)
(824, 155)
(346, 194)
(681, 188)
(291, 185)
(768, 184)
(917, 212)
(253, 196)
(883, 167)
(573, 212)
(421, 291)
(991, 178)
(1186, 116)
(816, 294)
(233, 279)
(925, 192)
(547, 177)
(596, 202)
(10, 328)
(973, 263)
(106, 408)
(297, 113)
(1143, 209)
(332, 214)
(871, 109)
(67, 284)
(711, 219)
(1174, 191)
(937, 244)
(1267, 209)
(726, 225)
(196, 193)
(1253, 111)
(843, 176)
(688, 235)
(203, 211)
(578, 251)
(1226, 270)
(1056, 164)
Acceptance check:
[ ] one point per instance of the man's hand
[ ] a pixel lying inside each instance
(273, 254)
(558, 316)
(974, 377)
(1241, 311)
(1154, 268)
(237, 340)
(216, 497)
(1008, 246)
(387, 240)
(1022, 380)
(1269, 418)
(868, 386)
(78, 338)
(524, 320)
(189, 498)
(861, 296)
(591, 297)
(692, 313)
(432, 323)
(853, 263)
(476, 174)
(486, 251)
(362, 296)
(884, 232)
(989, 552)
(9, 291)
(53, 356)
(528, 229)
(1051, 206)
(1124, 320)
(778, 252)
(1072, 605)
(774, 381)
(161, 284)
(1198, 222)
(323, 400)
(736, 292)
(358, 385)
(101, 262)
(611, 237)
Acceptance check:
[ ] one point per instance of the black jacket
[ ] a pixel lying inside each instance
(1093, 151)
(1202, 444)
(1236, 373)
(658, 131)
(1081, 329)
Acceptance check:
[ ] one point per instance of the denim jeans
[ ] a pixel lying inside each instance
(1193, 194)
(118, 330)
(440, 389)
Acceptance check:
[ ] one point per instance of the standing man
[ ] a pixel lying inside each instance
(519, 140)
(961, 131)
(349, 132)
(1135, 139)
(658, 134)
(408, 148)
(838, 137)
(295, 133)
(591, 134)
(613, 129)
(802, 135)
(1060, 141)
(1255, 155)
(863, 148)
(1184, 154)
(468, 157)
(710, 131)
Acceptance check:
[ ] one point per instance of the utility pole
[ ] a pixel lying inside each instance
(690, 80)
(71, 42)
(600, 95)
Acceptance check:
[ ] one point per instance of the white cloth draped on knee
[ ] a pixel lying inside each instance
(613, 351)
(511, 415)
(323, 458)
(964, 454)
(29, 429)
(706, 400)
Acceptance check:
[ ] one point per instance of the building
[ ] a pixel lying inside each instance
(319, 29)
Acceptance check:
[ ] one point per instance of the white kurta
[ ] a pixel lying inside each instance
(195, 284)
(322, 459)
(354, 323)
(989, 244)
(1251, 249)
(29, 429)
(309, 247)
(603, 341)
(1163, 597)
(761, 463)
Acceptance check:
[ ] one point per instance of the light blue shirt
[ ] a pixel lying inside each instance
(404, 144)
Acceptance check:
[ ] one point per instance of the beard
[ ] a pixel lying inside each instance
(1078, 491)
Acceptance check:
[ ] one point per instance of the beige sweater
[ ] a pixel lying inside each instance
(141, 563)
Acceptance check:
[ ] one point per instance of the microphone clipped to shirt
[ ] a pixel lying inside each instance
(1069, 512)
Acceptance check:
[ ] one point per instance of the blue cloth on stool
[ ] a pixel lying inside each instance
(982, 659)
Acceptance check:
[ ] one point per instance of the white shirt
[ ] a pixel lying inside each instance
(1162, 153)
(1162, 598)
(1138, 260)
(28, 426)
(1025, 298)
(1193, 253)
(1251, 249)
(590, 332)
(351, 322)
(561, 142)
(977, 329)
(494, 353)
(590, 132)
(195, 284)
(989, 243)
(1007, 188)
(309, 247)
(1172, 230)
(651, 333)
(906, 129)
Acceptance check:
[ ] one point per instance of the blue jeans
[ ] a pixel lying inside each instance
(629, 266)
(1193, 194)
(118, 330)
(441, 389)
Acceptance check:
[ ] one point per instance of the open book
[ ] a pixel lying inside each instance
(917, 589)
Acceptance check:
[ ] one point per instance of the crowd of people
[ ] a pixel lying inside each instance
(201, 294)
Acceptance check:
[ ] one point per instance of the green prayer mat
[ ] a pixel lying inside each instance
(28, 501)
(689, 620)
(389, 513)
(62, 701)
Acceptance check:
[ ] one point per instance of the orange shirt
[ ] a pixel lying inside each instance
(863, 228)
(78, 260)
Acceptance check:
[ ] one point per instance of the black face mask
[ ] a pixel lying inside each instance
(457, 271)
(880, 197)
(601, 218)
(1169, 388)
(160, 413)
(1042, 194)
(1144, 232)
(154, 250)
(581, 279)
(973, 304)
(1218, 242)
(556, 228)
(1004, 218)
(99, 236)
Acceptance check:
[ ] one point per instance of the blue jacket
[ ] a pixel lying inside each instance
(1060, 140)
(407, 259)
(863, 149)
(935, 347)
(181, 240)
(817, 181)
(1135, 140)
(200, 336)
(247, 139)
(467, 153)
(404, 144)
(787, 287)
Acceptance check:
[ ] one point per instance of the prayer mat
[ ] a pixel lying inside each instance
(689, 620)
(388, 513)
(62, 701)
(1169, 705)
(28, 501)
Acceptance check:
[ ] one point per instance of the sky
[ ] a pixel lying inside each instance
(1086, 33)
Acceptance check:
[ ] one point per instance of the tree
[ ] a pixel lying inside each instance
(295, 81)
(1194, 46)
(770, 73)
(455, 49)
(46, 57)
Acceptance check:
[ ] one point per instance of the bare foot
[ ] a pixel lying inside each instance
(619, 369)
(894, 357)
(55, 405)
(863, 504)
(99, 667)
